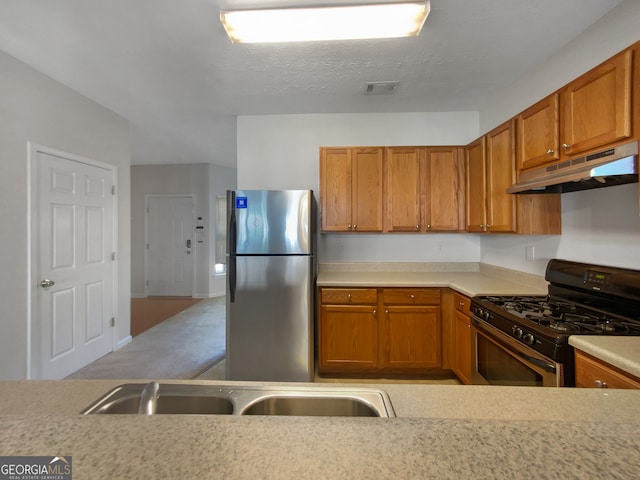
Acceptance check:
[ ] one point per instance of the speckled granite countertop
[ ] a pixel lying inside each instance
(441, 432)
(621, 352)
(469, 279)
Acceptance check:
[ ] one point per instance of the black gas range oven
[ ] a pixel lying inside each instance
(524, 339)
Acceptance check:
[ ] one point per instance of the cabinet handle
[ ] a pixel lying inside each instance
(488, 226)
(461, 304)
(601, 384)
(551, 151)
(566, 146)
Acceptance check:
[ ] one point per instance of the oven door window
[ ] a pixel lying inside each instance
(497, 367)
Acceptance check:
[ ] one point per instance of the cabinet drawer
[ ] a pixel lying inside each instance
(592, 373)
(462, 303)
(349, 296)
(411, 296)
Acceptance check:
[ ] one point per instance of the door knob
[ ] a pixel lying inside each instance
(46, 283)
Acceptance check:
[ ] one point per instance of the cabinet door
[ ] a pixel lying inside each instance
(538, 130)
(411, 338)
(348, 338)
(591, 373)
(444, 190)
(462, 341)
(403, 189)
(501, 206)
(596, 107)
(335, 189)
(366, 190)
(476, 185)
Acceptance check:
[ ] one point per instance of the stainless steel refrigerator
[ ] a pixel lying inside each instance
(270, 285)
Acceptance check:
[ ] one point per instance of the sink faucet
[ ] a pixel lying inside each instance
(149, 399)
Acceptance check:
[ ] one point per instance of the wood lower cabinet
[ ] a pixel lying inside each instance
(367, 331)
(348, 330)
(411, 330)
(594, 373)
(462, 339)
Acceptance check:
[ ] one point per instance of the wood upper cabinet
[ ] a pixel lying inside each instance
(348, 330)
(490, 165)
(444, 189)
(538, 134)
(424, 189)
(501, 206)
(594, 373)
(403, 189)
(476, 184)
(351, 189)
(596, 107)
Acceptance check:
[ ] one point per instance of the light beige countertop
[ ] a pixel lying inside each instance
(468, 279)
(621, 352)
(442, 431)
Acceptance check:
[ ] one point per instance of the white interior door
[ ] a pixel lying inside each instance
(75, 267)
(170, 245)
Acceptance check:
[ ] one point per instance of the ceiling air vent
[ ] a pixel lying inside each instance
(380, 88)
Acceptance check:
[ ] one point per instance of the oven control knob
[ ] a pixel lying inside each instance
(517, 331)
(528, 339)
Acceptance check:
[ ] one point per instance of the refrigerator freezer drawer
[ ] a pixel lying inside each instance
(270, 321)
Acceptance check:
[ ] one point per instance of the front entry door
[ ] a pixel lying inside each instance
(170, 247)
(75, 267)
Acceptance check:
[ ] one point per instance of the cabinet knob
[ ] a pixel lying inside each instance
(566, 146)
(551, 151)
(488, 226)
(482, 225)
(355, 227)
(461, 304)
(417, 227)
(429, 227)
(349, 296)
(349, 226)
(387, 312)
(601, 384)
(375, 312)
(412, 296)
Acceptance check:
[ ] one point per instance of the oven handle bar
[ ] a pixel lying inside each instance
(509, 342)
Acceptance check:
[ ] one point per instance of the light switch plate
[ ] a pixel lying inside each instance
(529, 253)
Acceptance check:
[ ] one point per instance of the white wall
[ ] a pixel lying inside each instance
(282, 152)
(598, 226)
(35, 108)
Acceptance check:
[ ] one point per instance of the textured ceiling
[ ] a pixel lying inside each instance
(168, 67)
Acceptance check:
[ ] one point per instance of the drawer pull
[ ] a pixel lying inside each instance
(601, 384)
(349, 296)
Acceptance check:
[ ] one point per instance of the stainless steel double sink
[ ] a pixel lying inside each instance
(212, 399)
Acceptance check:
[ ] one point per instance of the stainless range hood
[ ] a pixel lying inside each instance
(614, 166)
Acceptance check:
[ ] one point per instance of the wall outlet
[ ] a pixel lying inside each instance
(529, 253)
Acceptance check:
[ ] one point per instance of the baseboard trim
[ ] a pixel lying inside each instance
(138, 295)
(123, 342)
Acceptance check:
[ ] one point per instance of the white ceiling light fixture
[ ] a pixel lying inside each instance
(388, 20)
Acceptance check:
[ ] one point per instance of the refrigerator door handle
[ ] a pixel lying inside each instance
(232, 278)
